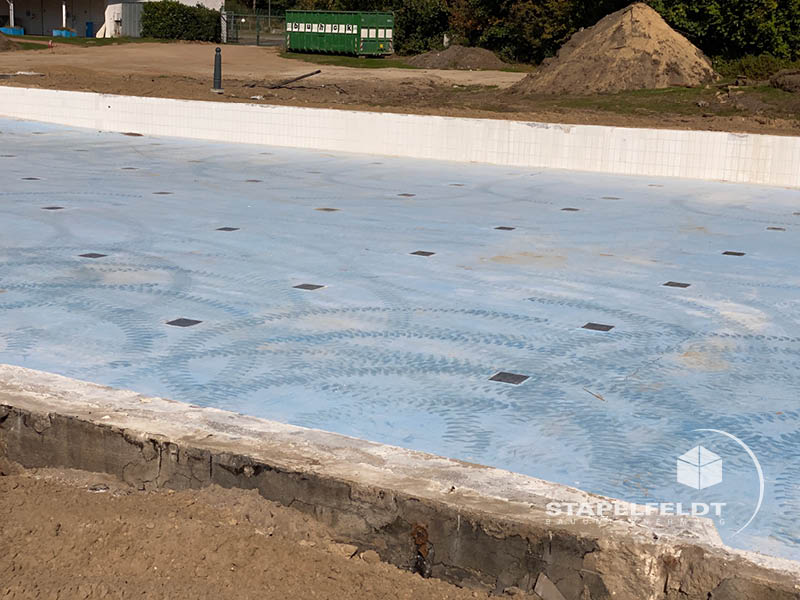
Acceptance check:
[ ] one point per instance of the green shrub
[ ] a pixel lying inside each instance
(169, 19)
(759, 67)
(532, 30)
(420, 25)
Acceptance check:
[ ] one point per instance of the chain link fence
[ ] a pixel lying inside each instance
(253, 29)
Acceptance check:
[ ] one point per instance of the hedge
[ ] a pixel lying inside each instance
(171, 20)
(531, 30)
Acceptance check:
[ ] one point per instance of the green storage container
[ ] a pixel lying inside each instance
(340, 32)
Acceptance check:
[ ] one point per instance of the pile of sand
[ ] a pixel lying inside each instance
(458, 57)
(630, 49)
(6, 44)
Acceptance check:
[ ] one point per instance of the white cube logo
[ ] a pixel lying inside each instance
(699, 468)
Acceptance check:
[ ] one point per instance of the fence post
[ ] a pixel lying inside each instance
(258, 30)
(217, 71)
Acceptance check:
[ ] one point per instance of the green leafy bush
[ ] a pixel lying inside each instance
(169, 19)
(532, 30)
(759, 67)
(420, 25)
(736, 28)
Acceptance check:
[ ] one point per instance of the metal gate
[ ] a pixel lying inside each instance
(253, 29)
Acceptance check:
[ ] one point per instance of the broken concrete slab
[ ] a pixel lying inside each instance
(465, 523)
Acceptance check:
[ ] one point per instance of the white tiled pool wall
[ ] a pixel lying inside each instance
(735, 157)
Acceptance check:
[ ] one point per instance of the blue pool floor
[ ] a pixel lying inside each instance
(399, 347)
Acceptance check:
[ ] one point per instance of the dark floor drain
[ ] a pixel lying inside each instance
(327, 209)
(52, 208)
(30, 179)
(796, 214)
(227, 229)
(732, 253)
(253, 180)
(162, 193)
(92, 255)
(570, 209)
(512, 378)
(677, 284)
(132, 134)
(598, 327)
(308, 286)
(407, 195)
(183, 322)
(422, 253)
(505, 228)
(776, 229)
(128, 169)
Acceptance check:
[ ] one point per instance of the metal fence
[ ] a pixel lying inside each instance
(253, 29)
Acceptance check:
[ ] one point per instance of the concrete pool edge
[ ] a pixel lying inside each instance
(707, 155)
(464, 523)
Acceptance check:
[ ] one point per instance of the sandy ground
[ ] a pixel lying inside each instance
(240, 62)
(70, 534)
(184, 70)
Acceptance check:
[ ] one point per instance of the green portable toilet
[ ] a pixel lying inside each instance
(340, 32)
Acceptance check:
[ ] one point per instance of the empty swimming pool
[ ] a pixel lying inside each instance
(580, 328)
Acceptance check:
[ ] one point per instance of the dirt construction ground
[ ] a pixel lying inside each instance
(75, 535)
(184, 70)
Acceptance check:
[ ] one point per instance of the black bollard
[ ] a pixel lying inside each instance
(217, 72)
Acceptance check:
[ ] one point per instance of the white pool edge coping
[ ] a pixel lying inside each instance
(707, 155)
(364, 489)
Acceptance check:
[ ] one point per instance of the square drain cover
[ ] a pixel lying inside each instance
(162, 193)
(227, 229)
(422, 253)
(677, 284)
(732, 253)
(52, 208)
(183, 322)
(505, 228)
(92, 255)
(776, 229)
(570, 209)
(326, 209)
(512, 378)
(598, 327)
(309, 286)
(407, 195)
